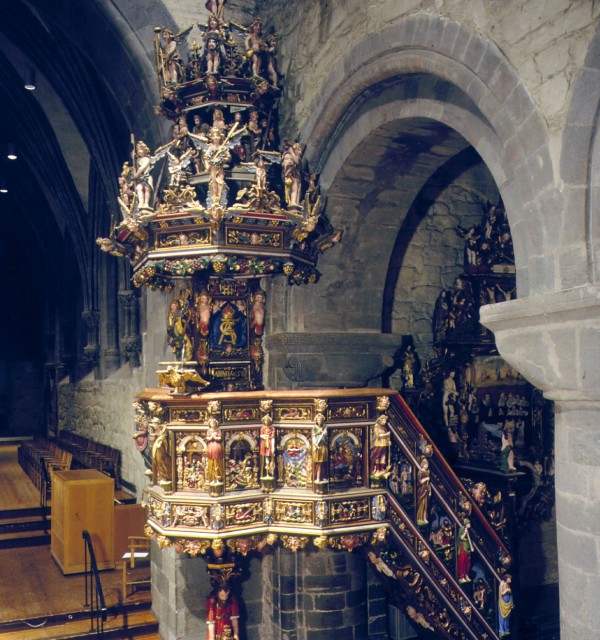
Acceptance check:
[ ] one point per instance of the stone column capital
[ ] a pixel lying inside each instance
(553, 339)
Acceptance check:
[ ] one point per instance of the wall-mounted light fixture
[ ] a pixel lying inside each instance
(29, 82)
(3, 187)
(11, 152)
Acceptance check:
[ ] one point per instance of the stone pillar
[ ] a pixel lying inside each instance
(315, 596)
(131, 342)
(554, 341)
(90, 351)
(180, 585)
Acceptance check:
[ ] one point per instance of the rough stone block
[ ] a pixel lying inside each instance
(354, 598)
(377, 625)
(323, 619)
(327, 583)
(578, 551)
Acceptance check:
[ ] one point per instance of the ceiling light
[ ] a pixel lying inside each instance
(11, 152)
(29, 83)
(3, 187)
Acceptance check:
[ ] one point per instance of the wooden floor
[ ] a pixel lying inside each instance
(31, 584)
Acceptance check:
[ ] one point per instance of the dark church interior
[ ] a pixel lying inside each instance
(301, 319)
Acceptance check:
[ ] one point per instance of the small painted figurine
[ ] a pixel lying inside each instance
(449, 390)
(144, 184)
(320, 450)
(222, 611)
(505, 606)
(507, 452)
(172, 68)
(423, 492)
(161, 458)
(465, 547)
(267, 447)
(291, 159)
(381, 447)
(408, 367)
(257, 312)
(255, 46)
(214, 452)
(177, 332)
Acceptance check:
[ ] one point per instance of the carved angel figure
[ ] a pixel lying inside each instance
(216, 153)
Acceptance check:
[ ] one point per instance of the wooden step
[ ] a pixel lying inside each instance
(23, 539)
(23, 525)
(19, 514)
(128, 623)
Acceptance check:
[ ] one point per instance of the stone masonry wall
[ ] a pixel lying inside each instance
(103, 411)
(435, 256)
(546, 42)
(315, 596)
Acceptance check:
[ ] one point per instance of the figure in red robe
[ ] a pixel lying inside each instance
(222, 614)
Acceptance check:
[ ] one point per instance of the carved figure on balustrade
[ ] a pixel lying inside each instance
(214, 453)
(320, 450)
(505, 605)
(380, 448)
(465, 548)
(161, 459)
(321, 511)
(423, 491)
(379, 507)
(267, 447)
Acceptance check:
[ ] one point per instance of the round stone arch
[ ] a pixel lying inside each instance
(354, 260)
(580, 173)
(495, 96)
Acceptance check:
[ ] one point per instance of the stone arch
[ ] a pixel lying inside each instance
(491, 92)
(580, 173)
